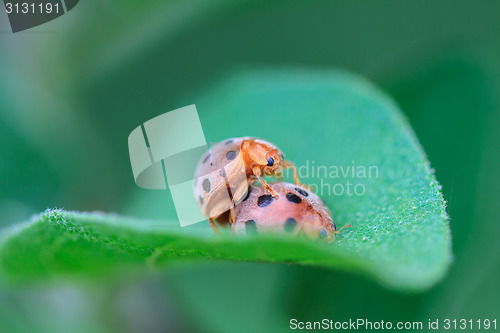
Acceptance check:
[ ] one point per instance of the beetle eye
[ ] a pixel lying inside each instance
(270, 161)
(282, 156)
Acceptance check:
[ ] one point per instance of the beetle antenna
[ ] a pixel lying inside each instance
(346, 226)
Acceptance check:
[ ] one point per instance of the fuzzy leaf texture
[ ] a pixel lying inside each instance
(321, 120)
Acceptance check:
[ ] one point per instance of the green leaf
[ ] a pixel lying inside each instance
(320, 119)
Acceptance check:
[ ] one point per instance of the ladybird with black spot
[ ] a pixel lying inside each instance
(296, 211)
(258, 158)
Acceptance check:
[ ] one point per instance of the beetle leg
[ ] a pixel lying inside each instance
(268, 188)
(257, 174)
(232, 218)
(289, 165)
(346, 226)
(299, 230)
(214, 226)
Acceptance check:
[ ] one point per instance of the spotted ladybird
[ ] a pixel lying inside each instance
(295, 211)
(240, 162)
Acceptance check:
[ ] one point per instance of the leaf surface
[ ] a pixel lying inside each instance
(348, 139)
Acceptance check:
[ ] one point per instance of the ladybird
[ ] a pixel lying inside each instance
(295, 211)
(225, 172)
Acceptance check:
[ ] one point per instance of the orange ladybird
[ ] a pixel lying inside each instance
(225, 172)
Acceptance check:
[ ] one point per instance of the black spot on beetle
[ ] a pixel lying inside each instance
(248, 194)
(231, 155)
(290, 224)
(206, 185)
(301, 191)
(293, 198)
(206, 158)
(322, 233)
(250, 226)
(201, 200)
(228, 142)
(265, 200)
(334, 226)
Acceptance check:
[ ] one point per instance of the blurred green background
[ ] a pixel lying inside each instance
(73, 89)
